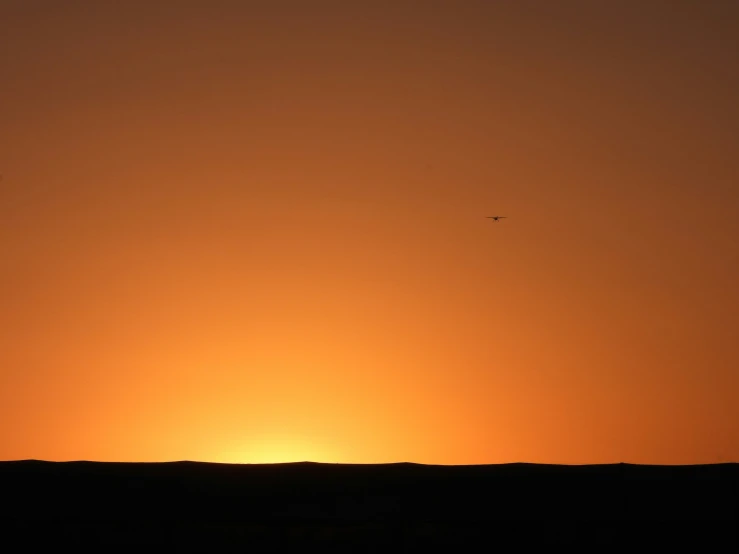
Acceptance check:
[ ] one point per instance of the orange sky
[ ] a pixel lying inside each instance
(254, 231)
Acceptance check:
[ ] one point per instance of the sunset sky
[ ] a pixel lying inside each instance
(255, 231)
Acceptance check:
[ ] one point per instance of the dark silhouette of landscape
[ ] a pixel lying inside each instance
(372, 507)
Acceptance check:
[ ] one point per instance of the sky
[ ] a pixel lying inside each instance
(256, 231)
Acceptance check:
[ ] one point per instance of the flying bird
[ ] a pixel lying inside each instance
(495, 217)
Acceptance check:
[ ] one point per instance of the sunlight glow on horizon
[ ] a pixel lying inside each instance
(274, 450)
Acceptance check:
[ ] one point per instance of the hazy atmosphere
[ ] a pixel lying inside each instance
(256, 231)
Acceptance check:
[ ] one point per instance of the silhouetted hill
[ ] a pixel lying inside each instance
(529, 501)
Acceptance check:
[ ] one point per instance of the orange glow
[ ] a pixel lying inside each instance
(256, 233)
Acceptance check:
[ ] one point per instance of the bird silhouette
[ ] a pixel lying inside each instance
(495, 217)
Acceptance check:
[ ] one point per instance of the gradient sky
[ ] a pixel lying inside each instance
(254, 231)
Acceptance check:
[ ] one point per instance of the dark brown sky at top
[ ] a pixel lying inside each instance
(255, 231)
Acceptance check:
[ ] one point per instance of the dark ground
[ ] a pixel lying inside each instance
(196, 506)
